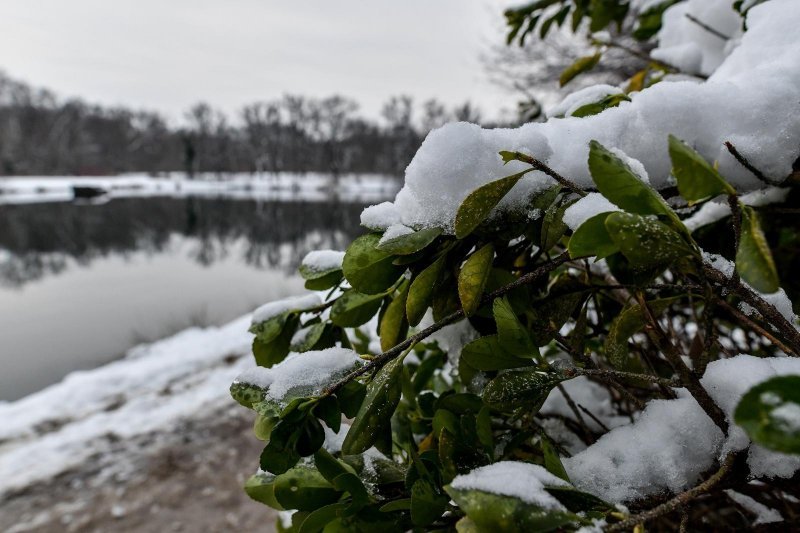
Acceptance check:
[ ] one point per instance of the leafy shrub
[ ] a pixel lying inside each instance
(602, 363)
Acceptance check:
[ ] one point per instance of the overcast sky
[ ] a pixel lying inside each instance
(167, 54)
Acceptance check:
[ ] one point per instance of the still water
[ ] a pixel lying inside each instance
(80, 284)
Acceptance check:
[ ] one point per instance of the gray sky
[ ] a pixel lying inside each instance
(167, 54)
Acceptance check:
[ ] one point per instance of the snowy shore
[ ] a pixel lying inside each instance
(152, 389)
(268, 186)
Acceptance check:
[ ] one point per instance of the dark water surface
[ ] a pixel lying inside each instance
(80, 284)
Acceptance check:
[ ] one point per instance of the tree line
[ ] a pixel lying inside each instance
(43, 135)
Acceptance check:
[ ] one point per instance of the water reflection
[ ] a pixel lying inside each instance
(80, 284)
(37, 240)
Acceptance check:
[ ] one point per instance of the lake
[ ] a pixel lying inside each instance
(80, 283)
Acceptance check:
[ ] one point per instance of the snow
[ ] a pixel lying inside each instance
(764, 515)
(592, 396)
(323, 260)
(380, 216)
(309, 186)
(152, 388)
(788, 416)
(673, 442)
(512, 478)
(590, 205)
(685, 44)
(394, 231)
(714, 211)
(302, 374)
(749, 100)
(575, 100)
(293, 303)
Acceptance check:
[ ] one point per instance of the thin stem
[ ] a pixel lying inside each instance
(538, 165)
(709, 29)
(746, 164)
(681, 499)
(688, 378)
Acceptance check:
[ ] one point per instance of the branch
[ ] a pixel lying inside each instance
(746, 164)
(455, 316)
(768, 311)
(538, 165)
(688, 378)
(709, 29)
(681, 499)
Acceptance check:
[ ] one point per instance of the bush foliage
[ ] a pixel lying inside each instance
(543, 313)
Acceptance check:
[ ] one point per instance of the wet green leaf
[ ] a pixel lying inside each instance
(592, 239)
(697, 180)
(512, 335)
(477, 206)
(770, 414)
(644, 241)
(754, 258)
(368, 269)
(303, 488)
(485, 353)
(420, 295)
(409, 243)
(383, 395)
(353, 308)
(518, 388)
(579, 66)
(394, 326)
(472, 278)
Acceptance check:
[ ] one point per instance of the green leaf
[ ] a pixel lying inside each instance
(479, 203)
(420, 295)
(350, 397)
(612, 100)
(394, 326)
(697, 180)
(621, 186)
(753, 258)
(629, 321)
(303, 488)
(312, 336)
(552, 462)
(644, 241)
(329, 466)
(383, 395)
(770, 414)
(427, 504)
(485, 353)
(410, 243)
(270, 353)
(353, 308)
(592, 239)
(403, 504)
(581, 65)
(327, 410)
(553, 226)
(311, 273)
(518, 388)
(247, 394)
(368, 269)
(472, 278)
(325, 282)
(494, 512)
(261, 488)
(268, 330)
(319, 518)
(512, 335)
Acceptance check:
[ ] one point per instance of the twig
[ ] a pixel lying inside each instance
(596, 420)
(768, 311)
(578, 416)
(538, 165)
(746, 164)
(681, 499)
(393, 352)
(736, 211)
(708, 28)
(616, 374)
(688, 378)
(644, 57)
(749, 322)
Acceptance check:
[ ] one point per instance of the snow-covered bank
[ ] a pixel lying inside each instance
(269, 186)
(153, 388)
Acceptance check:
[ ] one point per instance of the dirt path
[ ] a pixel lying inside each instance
(188, 480)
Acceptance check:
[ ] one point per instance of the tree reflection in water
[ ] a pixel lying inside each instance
(38, 240)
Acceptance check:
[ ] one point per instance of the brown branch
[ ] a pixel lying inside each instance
(688, 378)
(538, 165)
(681, 499)
(749, 322)
(709, 29)
(790, 334)
(746, 164)
(383, 358)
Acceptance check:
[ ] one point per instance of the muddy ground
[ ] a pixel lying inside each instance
(189, 479)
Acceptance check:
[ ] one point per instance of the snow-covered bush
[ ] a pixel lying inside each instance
(575, 324)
